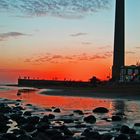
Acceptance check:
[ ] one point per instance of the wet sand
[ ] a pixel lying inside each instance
(111, 92)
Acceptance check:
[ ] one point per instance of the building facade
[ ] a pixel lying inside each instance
(130, 74)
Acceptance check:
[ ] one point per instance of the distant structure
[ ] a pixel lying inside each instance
(130, 74)
(119, 40)
(50, 83)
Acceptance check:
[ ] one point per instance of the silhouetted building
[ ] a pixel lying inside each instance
(119, 40)
(130, 74)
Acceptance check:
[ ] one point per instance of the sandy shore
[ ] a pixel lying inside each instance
(119, 92)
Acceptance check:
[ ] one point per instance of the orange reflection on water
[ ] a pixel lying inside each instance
(63, 102)
(83, 103)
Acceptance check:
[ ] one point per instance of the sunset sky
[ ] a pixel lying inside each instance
(70, 39)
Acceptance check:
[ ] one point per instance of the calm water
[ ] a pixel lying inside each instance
(130, 108)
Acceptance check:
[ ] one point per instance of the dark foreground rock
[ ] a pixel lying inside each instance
(80, 112)
(116, 118)
(101, 110)
(121, 137)
(125, 129)
(57, 110)
(90, 119)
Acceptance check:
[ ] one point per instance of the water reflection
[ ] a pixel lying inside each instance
(119, 106)
(131, 109)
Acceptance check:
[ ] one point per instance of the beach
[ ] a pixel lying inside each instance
(38, 116)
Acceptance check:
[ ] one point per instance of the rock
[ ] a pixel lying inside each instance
(45, 119)
(86, 132)
(28, 127)
(9, 136)
(135, 137)
(116, 118)
(29, 105)
(121, 137)
(92, 135)
(68, 132)
(19, 119)
(125, 129)
(106, 137)
(100, 110)
(132, 131)
(18, 108)
(51, 116)
(137, 124)
(33, 119)
(53, 107)
(54, 134)
(3, 118)
(90, 119)
(80, 112)
(3, 127)
(18, 131)
(5, 108)
(18, 100)
(41, 136)
(27, 113)
(57, 110)
(42, 126)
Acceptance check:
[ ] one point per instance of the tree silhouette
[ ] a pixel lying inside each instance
(94, 80)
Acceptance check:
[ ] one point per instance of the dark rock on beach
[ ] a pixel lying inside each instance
(66, 131)
(91, 135)
(27, 113)
(101, 110)
(42, 126)
(116, 118)
(106, 137)
(33, 119)
(51, 116)
(57, 110)
(45, 119)
(53, 133)
(90, 119)
(28, 127)
(3, 118)
(5, 108)
(9, 136)
(80, 112)
(125, 129)
(3, 127)
(121, 137)
(137, 124)
(132, 131)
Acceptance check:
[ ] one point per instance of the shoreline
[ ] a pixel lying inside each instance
(130, 92)
(120, 92)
